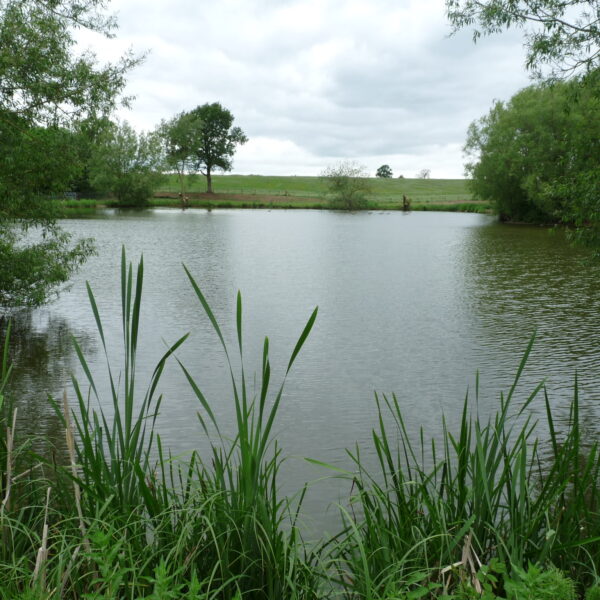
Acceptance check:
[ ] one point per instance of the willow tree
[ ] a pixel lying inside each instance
(562, 40)
(563, 35)
(46, 86)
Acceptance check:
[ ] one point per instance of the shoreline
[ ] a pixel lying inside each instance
(73, 208)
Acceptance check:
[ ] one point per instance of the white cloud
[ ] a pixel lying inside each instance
(314, 81)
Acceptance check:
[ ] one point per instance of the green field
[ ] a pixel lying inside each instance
(382, 190)
(261, 191)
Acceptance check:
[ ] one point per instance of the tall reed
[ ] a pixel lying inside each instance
(219, 517)
(490, 493)
(115, 454)
(253, 531)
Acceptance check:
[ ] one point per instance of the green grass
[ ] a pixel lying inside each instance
(493, 493)
(469, 207)
(489, 510)
(250, 201)
(69, 208)
(423, 190)
(257, 191)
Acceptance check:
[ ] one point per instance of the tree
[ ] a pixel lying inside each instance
(178, 136)
(536, 157)
(348, 185)
(384, 171)
(87, 134)
(44, 89)
(563, 34)
(424, 174)
(127, 165)
(213, 139)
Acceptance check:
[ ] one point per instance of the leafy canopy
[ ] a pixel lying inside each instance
(384, 171)
(536, 157)
(178, 135)
(46, 86)
(205, 138)
(127, 165)
(563, 35)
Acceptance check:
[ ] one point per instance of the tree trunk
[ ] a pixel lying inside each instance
(209, 189)
(182, 182)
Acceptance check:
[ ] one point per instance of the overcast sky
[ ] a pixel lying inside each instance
(313, 82)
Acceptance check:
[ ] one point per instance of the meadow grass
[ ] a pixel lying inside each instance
(271, 192)
(443, 189)
(481, 512)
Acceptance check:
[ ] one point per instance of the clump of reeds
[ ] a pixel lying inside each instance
(250, 531)
(216, 524)
(488, 492)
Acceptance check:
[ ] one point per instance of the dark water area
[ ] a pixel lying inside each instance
(412, 304)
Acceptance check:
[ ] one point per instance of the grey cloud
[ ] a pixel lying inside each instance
(332, 82)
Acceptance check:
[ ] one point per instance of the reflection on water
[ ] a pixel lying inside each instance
(412, 304)
(520, 280)
(42, 357)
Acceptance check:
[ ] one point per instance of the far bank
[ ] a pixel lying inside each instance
(275, 192)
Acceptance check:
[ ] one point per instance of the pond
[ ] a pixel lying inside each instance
(413, 304)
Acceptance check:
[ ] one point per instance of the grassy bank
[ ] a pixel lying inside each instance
(253, 191)
(288, 202)
(311, 187)
(485, 511)
(214, 201)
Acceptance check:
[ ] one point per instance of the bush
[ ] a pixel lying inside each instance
(538, 584)
(536, 156)
(348, 186)
(127, 165)
(593, 593)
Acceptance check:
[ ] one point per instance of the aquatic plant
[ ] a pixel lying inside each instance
(485, 492)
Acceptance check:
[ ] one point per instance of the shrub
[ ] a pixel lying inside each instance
(348, 185)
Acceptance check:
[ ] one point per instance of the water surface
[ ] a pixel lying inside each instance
(413, 304)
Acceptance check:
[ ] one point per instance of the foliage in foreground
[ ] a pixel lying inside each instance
(483, 512)
(46, 87)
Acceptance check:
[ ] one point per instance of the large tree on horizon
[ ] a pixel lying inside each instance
(213, 140)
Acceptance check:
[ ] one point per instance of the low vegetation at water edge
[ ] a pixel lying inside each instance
(484, 511)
